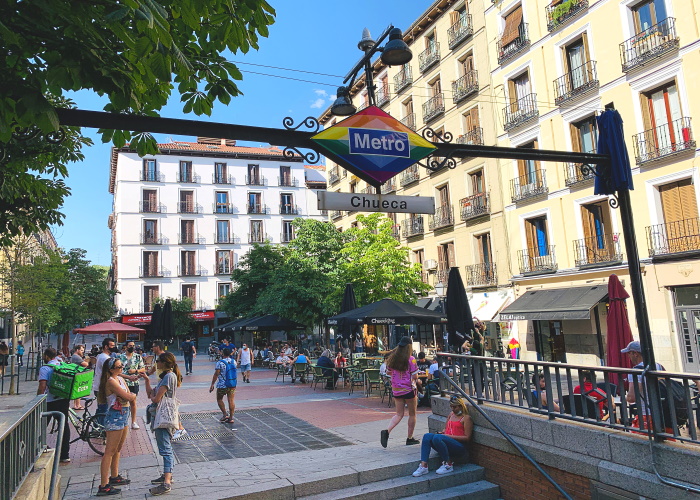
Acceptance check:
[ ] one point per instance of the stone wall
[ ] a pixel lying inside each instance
(36, 485)
(583, 459)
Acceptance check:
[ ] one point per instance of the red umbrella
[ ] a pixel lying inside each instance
(619, 332)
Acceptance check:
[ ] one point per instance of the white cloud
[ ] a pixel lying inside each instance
(321, 92)
(318, 103)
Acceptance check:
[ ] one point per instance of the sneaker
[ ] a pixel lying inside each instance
(384, 438)
(135, 426)
(180, 433)
(161, 480)
(118, 481)
(105, 491)
(410, 441)
(445, 468)
(161, 489)
(65, 460)
(247, 380)
(420, 471)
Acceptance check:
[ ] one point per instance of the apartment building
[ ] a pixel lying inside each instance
(555, 68)
(183, 218)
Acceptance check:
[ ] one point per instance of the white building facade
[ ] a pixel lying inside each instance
(182, 219)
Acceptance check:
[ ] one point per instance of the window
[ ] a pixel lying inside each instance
(477, 181)
(518, 89)
(446, 260)
(597, 226)
(150, 231)
(222, 202)
(459, 14)
(187, 263)
(435, 88)
(224, 289)
(187, 202)
(483, 245)
(443, 196)
(150, 201)
(419, 257)
(254, 178)
(285, 175)
(537, 239)
(150, 294)
(466, 65)
(678, 201)
(471, 120)
(529, 170)
(150, 265)
(648, 13)
(408, 107)
(187, 231)
(286, 204)
(257, 234)
(222, 231)
(431, 42)
(584, 135)
(190, 292)
(223, 262)
(353, 187)
(150, 170)
(186, 171)
(661, 110)
(287, 231)
(254, 203)
(576, 59)
(513, 23)
(220, 173)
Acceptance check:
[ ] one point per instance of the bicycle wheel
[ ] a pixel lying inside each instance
(95, 434)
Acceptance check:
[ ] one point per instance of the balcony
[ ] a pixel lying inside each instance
(403, 79)
(258, 238)
(151, 272)
(150, 207)
(226, 238)
(520, 112)
(409, 121)
(442, 218)
(651, 43)
(255, 180)
(425, 277)
(223, 208)
(150, 176)
(189, 207)
(560, 13)
(597, 251)
(383, 95)
(474, 206)
(287, 236)
(222, 179)
(511, 44)
(257, 209)
(573, 174)
(189, 271)
(223, 269)
(465, 86)
(442, 275)
(389, 186)
(664, 141)
(537, 260)
(433, 107)
(576, 83)
(287, 181)
(678, 237)
(429, 57)
(396, 232)
(412, 227)
(459, 31)
(333, 175)
(152, 239)
(190, 239)
(530, 185)
(474, 137)
(188, 178)
(290, 210)
(409, 176)
(336, 214)
(481, 274)
(370, 190)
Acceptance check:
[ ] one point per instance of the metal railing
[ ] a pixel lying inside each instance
(223, 208)
(483, 274)
(443, 217)
(665, 140)
(409, 176)
(190, 239)
(226, 238)
(151, 239)
(409, 120)
(576, 82)
(188, 207)
(474, 206)
(518, 112)
(528, 186)
(389, 186)
(649, 44)
(442, 274)
(383, 95)
(149, 207)
(188, 178)
(255, 180)
(189, 271)
(465, 86)
(336, 214)
(370, 190)
(223, 269)
(289, 209)
(433, 107)
(151, 272)
(537, 260)
(475, 136)
(412, 226)
(429, 57)
(510, 48)
(222, 179)
(403, 79)
(258, 238)
(598, 250)
(574, 174)
(460, 31)
(562, 12)
(288, 181)
(257, 209)
(333, 175)
(396, 231)
(149, 176)
(674, 237)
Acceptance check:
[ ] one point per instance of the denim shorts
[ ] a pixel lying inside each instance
(245, 368)
(116, 420)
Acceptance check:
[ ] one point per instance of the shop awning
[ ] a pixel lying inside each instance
(557, 304)
(485, 306)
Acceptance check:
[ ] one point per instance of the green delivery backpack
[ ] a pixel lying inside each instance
(70, 381)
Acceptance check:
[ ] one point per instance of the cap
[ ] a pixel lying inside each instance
(633, 346)
(404, 341)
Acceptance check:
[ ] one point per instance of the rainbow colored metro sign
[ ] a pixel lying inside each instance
(374, 143)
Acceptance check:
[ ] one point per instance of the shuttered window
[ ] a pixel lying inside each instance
(678, 201)
(512, 29)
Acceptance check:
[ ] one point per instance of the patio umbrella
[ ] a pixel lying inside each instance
(388, 312)
(460, 323)
(611, 141)
(155, 329)
(619, 332)
(269, 323)
(168, 329)
(348, 304)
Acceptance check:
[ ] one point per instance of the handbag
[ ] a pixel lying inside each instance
(167, 414)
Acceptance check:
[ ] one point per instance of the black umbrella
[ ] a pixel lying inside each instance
(459, 316)
(155, 329)
(348, 304)
(388, 312)
(168, 329)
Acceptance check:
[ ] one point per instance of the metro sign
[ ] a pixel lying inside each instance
(376, 144)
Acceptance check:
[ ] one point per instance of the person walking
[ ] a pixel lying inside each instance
(170, 380)
(133, 367)
(50, 358)
(20, 353)
(225, 380)
(78, 358)
(403, 369)
(189, 352)
(244, 362)
(113, 394)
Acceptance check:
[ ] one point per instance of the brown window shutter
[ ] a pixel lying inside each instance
(512, 96)
(475, 117)
(586, 52)
(530, 234)
(451, 255)
(688, 202)
(588, 223)
(512, 29)
(671, 202)
(646, 116)
(454, 17)
(575, 138)
(442, 257)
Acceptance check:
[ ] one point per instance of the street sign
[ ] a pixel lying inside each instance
(359, 202)
(376, 144)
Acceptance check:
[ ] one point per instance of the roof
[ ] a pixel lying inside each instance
(555, 304)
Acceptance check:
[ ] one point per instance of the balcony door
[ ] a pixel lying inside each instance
(221, 202)
(254, 174)
(597, 232)
(150, 231)
(530, 175)
(220, 173)
(150, 200)
(286, 203)
(223, 262)
(190, 292)
(446, 260)
(537, 242)
(187, 202)
(483, 243)
(285, 175)
(186, 171)
(443, 196)
(186, 231)
(150, 294)
(518, 89)
(661, 110)
(576, 57)
(150, 171)
(511, 31)
(222, 231)
(648, 13)
(187, 263)
(150, 264)
(680, 231)
(254, 203)
(256, 231)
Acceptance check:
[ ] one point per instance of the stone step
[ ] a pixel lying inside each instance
(478, 490)
(401, 484)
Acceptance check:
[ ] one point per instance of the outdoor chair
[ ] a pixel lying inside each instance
(574, 405)
(281, 370)
(301, 372)
(385, 389)
(356, 378)
(320, 377)
(372, 379)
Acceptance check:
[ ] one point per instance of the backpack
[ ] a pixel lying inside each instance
(70, 381)
(187, 347)
(231, 375)
(672, 391)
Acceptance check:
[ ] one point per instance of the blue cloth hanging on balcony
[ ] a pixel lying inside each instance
(611, 141)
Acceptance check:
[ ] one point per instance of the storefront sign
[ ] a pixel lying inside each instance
(136, 319)
(358, 202)
(202, 315)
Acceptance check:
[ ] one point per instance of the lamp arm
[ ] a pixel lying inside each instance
(361, 63)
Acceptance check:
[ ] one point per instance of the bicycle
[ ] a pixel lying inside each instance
(89, 427)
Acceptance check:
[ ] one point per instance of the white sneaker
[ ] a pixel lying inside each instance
(420, 471)
(135, 426)
(445, 468)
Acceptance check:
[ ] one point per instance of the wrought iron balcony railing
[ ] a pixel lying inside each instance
(674, 237)
(574, 174)
(460, 31)
(465, 86)
(474, 206)
(396, 231)
(425, 277)
(483, 274)
(403, 79)
(370, 190)
(603, 249)
(649, 44)
(151, 272)
(287, 181)
(429, 57)
(336, 214)
(442, 274)
(575, 83)
(442, 218)
(255, 180)
(383, 95)
(188, 207)
(333, 175)
(409, 176)
(511, 44)
(433, 107)
(149, 207)
(389, 186)
(289, 210)
(190, 239)
(562, 12)
(520, 111)
(532, 184)
(665, 140)
(257, 209)
(150, 176)
(537, 260)
(223, 208)
(188, 178)
(258, 238)
(412, 226)
(286, 237)
(152, 239)
(189, 271)
(222, 179)
(474, 137)
(228, 238)
(223, 269)
(409, 120)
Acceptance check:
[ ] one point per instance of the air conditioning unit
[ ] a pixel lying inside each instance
(430, 265)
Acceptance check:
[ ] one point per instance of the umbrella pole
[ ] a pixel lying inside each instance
(599, 335)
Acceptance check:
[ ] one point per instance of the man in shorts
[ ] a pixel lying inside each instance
(244, 362)
(219, 381)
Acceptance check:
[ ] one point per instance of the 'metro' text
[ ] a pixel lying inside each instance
(378, 142)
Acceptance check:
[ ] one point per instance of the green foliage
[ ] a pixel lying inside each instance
(182, 314)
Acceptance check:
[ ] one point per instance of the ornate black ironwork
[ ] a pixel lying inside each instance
(434, 162)
(428, 134)
(311, 157)
(309, 122)
(587, 170)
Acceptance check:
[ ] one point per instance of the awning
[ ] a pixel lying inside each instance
(485, 306)
(557, 304)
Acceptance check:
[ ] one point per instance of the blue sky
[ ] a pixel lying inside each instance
(309, 35)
